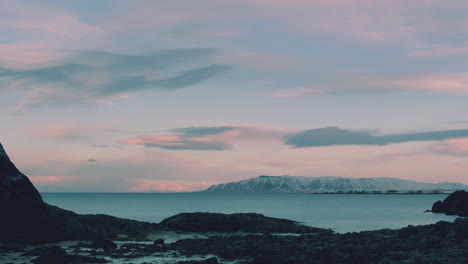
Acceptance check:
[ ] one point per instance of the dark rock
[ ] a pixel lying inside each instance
(57, 255)
(455, 204)
(206, 261)
(443, 242)
(408, 232)
(47, 258)
(44, 249)
(51, 255)
(242, 222)
(461, 228)
(159, 242)
(104, 244)
(438, 207)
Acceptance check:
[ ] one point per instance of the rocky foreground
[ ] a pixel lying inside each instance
(27, 223)
(439, 243)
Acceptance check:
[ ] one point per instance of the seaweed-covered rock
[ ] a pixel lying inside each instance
(240, 222)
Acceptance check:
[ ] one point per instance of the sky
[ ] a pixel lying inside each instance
(170, 96)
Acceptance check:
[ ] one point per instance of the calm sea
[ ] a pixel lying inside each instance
(340, 212)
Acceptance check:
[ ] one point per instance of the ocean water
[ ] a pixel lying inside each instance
(340, 212)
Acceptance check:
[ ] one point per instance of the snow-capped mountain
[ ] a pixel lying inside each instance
(295, 184)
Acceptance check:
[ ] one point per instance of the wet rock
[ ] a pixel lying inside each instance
(443, 242)
(51, 255)
(57, 255)
(206, 261)
(44, 249)
(104, 244)
(159, 242)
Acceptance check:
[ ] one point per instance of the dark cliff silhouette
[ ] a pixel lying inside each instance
(25, 216)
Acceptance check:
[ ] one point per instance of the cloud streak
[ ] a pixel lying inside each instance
(91, 78)
(217, 138)
(453, 147)
(334, 136)
(454, 83)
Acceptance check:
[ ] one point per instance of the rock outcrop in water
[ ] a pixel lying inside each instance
(240, 222)
(25, 217)
(455, 204)
(294, 184)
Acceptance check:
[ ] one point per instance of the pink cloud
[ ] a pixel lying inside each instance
(260, 61)
(152, 169)
(223, 138)
(456, 147)
(300, 92)
(62, 24)
(144, 185)
(28, 54)
(47, 31)
(409, 24)
(445, 49)
(65, 131)
(50, 180)
(456, 83)
(439, 82)
(399, 161)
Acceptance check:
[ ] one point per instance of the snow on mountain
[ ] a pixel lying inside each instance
(295, 184)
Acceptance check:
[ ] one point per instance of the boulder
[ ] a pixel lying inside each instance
(51, 255)
(104, 244)
(455, 204)
(158, 242)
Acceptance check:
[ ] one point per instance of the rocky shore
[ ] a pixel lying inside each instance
(438, 243)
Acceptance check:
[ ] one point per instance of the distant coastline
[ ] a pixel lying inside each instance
(334, 185)
(205, 191)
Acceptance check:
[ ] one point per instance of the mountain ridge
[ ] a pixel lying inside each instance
(331, 184)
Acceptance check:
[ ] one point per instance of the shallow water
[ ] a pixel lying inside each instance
(340, 212)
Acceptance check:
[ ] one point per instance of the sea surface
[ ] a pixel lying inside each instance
(340, 212)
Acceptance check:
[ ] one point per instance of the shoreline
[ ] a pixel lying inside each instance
(440, 241)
